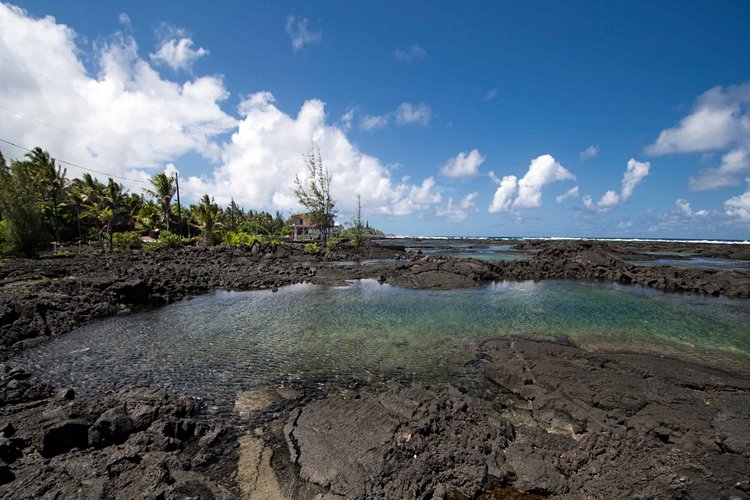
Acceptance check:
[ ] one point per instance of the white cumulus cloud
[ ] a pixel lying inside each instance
(735, 165)
(125, 117)
(463, 164)
(457, 212)
(634, 174)
(739, 206)
(265, 154)
(178, 53)
(128, 120)
(300, 34)
(719, 122)
(527, 190)
(687, 211)
(501, 201)
(543, 170)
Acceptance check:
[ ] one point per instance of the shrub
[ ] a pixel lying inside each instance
(312, 248)
(166, 240)
(236, 238)
(130, 239)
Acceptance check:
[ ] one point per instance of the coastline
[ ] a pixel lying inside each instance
(49, 297)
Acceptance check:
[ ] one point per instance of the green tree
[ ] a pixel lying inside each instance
(77, 197)
(207, 214)
(92, 189)
(233, 216)
(357, 227)
(132, 203)
(102, 217)
(114, 199)
(148, 217)
(19, 204)
(315, 192)
(164, 190)
(52, 183)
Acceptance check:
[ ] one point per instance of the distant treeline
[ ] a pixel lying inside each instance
(39, 204)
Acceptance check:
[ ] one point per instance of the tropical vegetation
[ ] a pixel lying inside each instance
(41, 207)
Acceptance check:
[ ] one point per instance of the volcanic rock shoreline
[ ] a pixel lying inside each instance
(554, 420)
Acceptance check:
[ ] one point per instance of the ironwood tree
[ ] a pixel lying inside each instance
(314, 192)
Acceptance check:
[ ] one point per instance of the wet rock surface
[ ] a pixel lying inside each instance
(578, 425)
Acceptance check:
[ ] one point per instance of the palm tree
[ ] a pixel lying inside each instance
(132, 205)
(207, 215)
(78, 199)
(102, 217)
(92, 188)
(114, 198)
(148, 217)
(164, 190)
(53, 184)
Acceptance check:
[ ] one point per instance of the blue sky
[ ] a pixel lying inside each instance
(616, 119)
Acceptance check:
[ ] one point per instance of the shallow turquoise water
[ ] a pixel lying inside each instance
(217, 344)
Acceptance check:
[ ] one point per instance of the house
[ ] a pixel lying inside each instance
(303, 228)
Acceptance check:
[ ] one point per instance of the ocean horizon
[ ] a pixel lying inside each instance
(572, 238)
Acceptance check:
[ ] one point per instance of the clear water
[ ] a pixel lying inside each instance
(218, 344)
(489, 253)
(729, 264)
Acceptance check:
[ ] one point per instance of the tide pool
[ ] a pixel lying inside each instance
(217, 344)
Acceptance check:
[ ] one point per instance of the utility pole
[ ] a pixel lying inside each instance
(179, 208)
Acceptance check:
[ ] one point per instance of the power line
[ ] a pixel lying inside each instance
(61, 130)
(76, 165)
(197, 196)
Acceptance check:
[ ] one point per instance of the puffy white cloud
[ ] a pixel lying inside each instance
(300, 34)
(527, 190)
(503, 197)
(265, 154)
(543, 170)
(463, 164)
(609, 200)
(570, 193)
(410, 54)
(491, 94)
(406, 114)
(720, 121)
(685, 209)
(719, 118)
(634, 174)
(588, 153)
(457, 213)
(178, 53)
(735, 165)
(128, 118)
(125, 117)
(418, 198)
(739, 206)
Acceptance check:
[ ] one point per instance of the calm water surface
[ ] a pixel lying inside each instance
(223, 342)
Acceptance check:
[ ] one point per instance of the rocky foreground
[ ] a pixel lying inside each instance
(551, 420)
